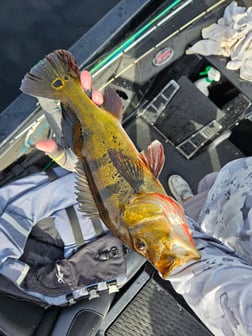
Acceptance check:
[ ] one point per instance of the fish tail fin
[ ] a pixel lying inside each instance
(50, 75)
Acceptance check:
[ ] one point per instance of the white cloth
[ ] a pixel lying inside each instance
(230, 37)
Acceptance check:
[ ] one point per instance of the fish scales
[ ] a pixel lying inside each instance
(98, 136)
(122, 183)
(95, 150)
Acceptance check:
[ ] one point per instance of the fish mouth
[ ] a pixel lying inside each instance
(167, 265)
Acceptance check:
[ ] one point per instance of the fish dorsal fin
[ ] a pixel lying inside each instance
(130, 169)
(84, 195)
(112, 103)
(153, 157)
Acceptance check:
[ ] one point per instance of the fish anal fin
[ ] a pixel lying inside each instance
(113, 103)
(84, 194)
(153, 157)
(129, 168)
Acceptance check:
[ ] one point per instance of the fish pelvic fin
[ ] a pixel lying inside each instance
(129, 168)
(72, 130)
(153, 157)
(50, 75)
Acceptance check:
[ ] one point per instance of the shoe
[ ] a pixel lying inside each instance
(179, 188)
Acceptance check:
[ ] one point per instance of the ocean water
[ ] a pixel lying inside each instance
(29, 29)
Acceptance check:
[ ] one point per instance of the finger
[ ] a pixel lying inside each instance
(64, 158)
(47, 146)
(97, 97)
(51, 148)
(86, 80)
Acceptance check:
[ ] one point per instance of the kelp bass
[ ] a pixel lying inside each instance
(114, 180)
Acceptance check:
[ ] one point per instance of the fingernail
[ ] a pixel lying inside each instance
(86, 80)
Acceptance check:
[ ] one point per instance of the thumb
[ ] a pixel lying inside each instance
(48, 146)
(57, 153)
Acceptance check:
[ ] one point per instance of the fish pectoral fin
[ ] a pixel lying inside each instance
(153, 157)
(84, 194)
(72, 130)
(113, 103)
(128, 168)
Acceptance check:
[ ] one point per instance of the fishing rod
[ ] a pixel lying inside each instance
(138, 36)
(147, 29)
(167, 38)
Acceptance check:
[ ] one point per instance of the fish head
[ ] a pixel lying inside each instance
(159, 232)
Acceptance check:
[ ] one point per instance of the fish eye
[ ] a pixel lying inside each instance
(57, 83)
(140, 245)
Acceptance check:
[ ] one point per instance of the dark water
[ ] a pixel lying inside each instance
(29, 29)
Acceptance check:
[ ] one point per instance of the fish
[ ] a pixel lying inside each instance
(115, 182)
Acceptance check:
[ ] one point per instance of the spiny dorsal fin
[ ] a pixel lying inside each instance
(128, 168)
(153, 157)
(113, 103)
(84, 195)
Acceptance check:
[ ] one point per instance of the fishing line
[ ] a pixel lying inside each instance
(208, 10)
(137, 37)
